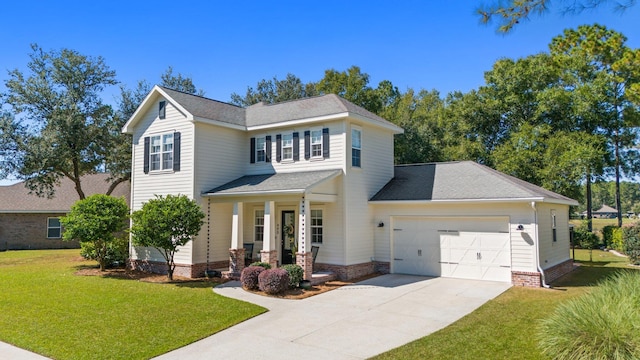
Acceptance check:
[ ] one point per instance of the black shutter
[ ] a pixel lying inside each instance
(176, 151)
(307, 145)
(278, 148)
(253, 150)
(296, 146)
(147, 143)
(267, 155)
(162, 109)
(325, 143)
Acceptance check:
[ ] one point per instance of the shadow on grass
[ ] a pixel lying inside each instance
(586, 276)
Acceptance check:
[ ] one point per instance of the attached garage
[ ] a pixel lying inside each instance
(459, 247)
(465, 220)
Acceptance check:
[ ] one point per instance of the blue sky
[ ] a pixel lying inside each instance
(226, 46)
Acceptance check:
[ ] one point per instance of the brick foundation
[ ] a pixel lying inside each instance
(236, 264)
(527, 279)
(553, 273)
(348, 272)
(183, 270)
(269, 257)
(382, 267)
(305, 261)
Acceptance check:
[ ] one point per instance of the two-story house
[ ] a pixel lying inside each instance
(319, 172)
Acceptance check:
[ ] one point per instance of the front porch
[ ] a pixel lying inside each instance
(277, 219)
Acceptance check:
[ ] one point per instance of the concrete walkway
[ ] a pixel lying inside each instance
(353, 322)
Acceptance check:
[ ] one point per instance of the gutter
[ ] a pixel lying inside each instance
(537, 242)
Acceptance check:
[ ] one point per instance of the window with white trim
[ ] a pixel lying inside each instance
(316, 226)
(261, 149)
(553, 225)
(258, 226)
(287, 147)
(54, 228)
(356, 147)
(161, 152)
(316, 143)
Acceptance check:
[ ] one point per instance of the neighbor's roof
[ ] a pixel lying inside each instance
(280, 183)
(319, 108)
(16, 198)
(461, 181)
(605, 209)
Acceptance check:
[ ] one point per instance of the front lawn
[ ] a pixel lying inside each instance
(505, 327)
(47, 309)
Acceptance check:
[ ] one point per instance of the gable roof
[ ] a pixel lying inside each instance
(258, 116)
(279, 183)
(605, 209)
(461, 181)
(16, 198)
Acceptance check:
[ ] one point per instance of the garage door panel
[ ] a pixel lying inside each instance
(468, 248)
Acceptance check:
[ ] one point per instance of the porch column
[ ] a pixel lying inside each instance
(269, 254)
(303, 257)
(236, 252)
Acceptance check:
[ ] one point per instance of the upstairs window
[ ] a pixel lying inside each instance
(162, 109)
(356, 147)
(287, 147)
(316, 143)
(161, 152)
(54, 228)
(261, 149)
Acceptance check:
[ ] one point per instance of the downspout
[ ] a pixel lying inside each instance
(537, 244)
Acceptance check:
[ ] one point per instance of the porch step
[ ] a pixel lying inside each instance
(321, 277)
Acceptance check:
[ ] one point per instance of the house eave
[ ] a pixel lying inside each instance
(218, 123)
(298, 121)
(128, 128)
(475, 201)
(34, 211)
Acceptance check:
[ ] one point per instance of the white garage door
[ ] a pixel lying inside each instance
(462, 247)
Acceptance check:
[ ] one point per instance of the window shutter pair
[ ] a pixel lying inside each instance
(176, 152)
(325, 144)
(267, 153)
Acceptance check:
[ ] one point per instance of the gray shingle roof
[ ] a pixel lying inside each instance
(296, 182)
(16, 197)
(330, 104)
(207, 108)
(465, 180)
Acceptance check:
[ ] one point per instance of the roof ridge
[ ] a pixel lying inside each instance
(199, 96)
(262, 103)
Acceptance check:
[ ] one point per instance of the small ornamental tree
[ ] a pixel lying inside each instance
(99, 220)
(165, 223)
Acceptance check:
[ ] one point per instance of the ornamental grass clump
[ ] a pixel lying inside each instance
(296, 273)
(273, 281)
(249, 277)
(602, 324)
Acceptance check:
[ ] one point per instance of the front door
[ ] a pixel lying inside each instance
(288, 236)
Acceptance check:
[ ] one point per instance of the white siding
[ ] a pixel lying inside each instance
(522, 244)
(553, 253)
(146, 186)
(336, 147)
(219, 232)
(360, 185)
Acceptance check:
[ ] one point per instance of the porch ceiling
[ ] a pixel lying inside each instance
(273, 184)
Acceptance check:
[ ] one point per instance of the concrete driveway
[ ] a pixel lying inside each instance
(353, 322)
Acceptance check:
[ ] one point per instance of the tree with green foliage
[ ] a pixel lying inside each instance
(99, 220)
(274, 91)
(62, 128)
(179, 82)
(602, 75)
(512, 12)
(166, 223)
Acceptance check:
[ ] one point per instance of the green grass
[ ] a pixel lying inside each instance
(47, 309)
(505, 327)
(598, 224)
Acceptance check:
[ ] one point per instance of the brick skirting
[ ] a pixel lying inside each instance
(184, 270)
(553, 273)
(348, 272)
(527, 279)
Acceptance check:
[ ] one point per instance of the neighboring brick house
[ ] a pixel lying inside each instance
(31, 222)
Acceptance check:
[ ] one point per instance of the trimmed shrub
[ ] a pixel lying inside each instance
(116, 255)
(263, 265)
(607, 235)
(631, 240)
(601, 324)
(273, 281)
(617, 242)
(296, 273)
(249, 277)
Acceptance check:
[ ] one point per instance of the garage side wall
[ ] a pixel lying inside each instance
(553, 252)
(522, 243)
